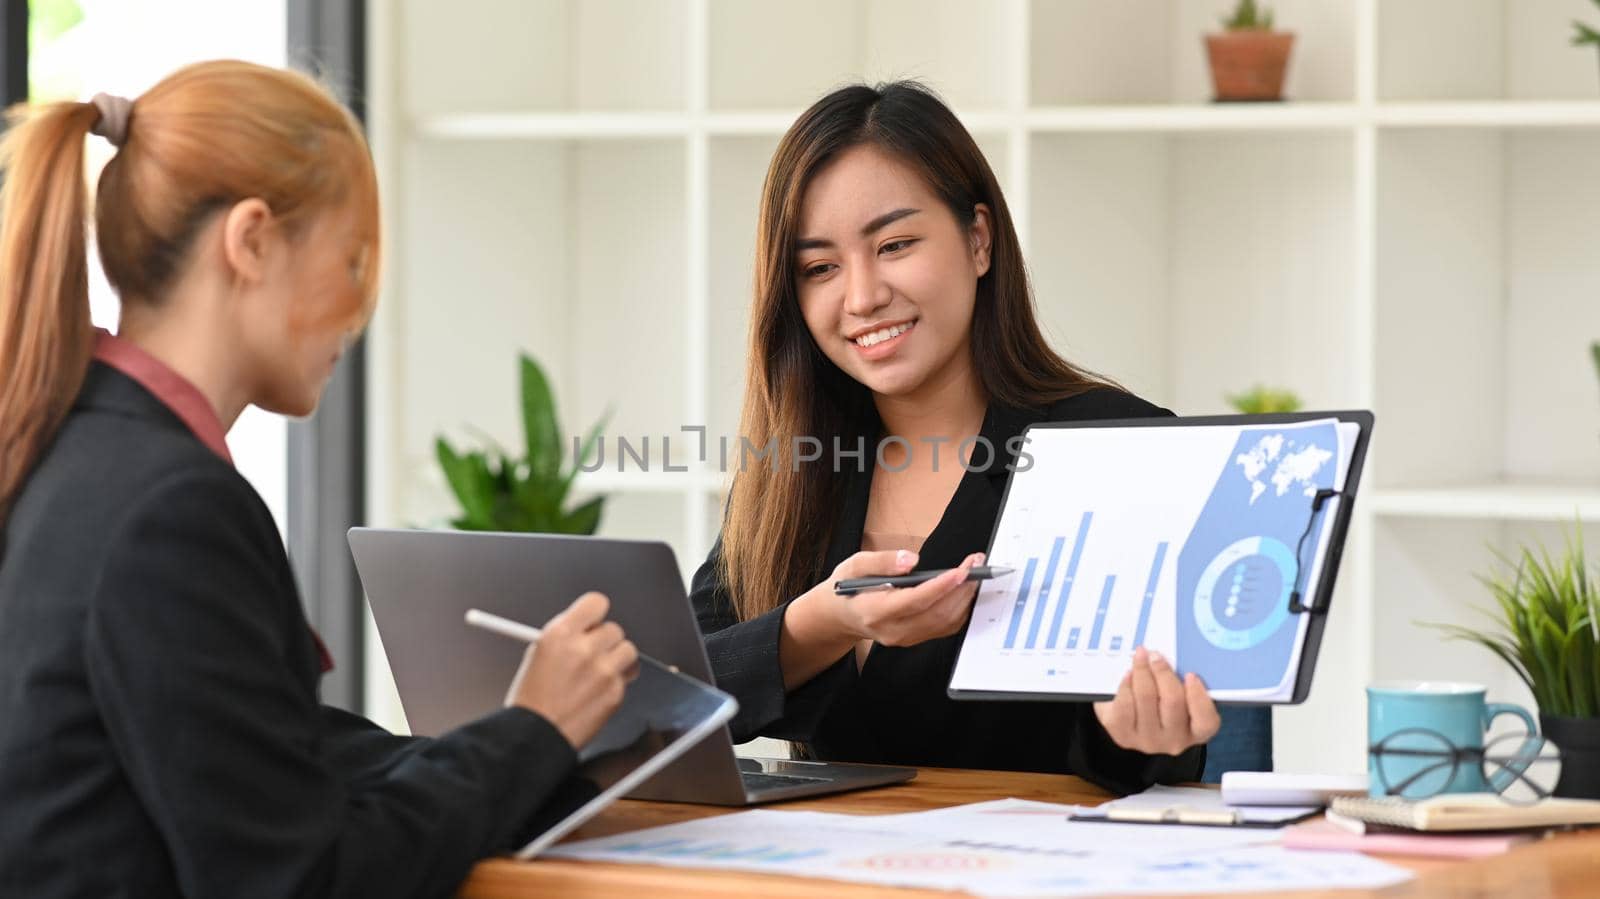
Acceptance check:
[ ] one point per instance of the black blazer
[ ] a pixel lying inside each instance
(895, 710)
(160, 732)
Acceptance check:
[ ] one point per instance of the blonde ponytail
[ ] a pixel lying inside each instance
(202, 139)
(45, 334)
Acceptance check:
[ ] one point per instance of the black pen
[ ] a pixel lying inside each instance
(854, 585)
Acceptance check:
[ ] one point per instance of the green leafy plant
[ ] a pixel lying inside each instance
(1583, 34)
(1248, 16)
(1259, 400)
(500, 492)
(1546, 626)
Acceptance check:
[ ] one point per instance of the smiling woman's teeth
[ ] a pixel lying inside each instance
(877, 337)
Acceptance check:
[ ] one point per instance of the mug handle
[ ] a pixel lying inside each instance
(1499, 780)
(1494, 710)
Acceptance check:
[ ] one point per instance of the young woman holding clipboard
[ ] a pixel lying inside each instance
(892, 309)
(160, 732)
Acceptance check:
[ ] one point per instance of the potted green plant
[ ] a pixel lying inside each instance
(1583, 35)
(1260, 400)
(501, 492)
(1248, 58)
(1546, 626)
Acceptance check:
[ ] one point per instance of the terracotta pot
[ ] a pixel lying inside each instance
(1249, 64)
(1579, 742)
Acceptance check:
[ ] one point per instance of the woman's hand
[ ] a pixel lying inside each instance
(902, 616)
(820, 626)
(576, 674)
(1154, 712)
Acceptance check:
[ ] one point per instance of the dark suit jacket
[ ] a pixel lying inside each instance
(895, 710)
(160, 732)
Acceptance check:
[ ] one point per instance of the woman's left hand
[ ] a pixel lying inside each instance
(1156, 713)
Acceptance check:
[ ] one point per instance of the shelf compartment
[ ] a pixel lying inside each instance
(1091, 53)
(1162, 262)
(1484, 50)
(512, 246)
(772, 53)
(649, 516)
(1428, 571)
(1485, 285)
(519, 55)
(738, 166)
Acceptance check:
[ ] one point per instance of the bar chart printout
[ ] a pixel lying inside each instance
(1159, 537)
(1065, 603)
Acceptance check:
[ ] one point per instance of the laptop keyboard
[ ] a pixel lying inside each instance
(774, 781)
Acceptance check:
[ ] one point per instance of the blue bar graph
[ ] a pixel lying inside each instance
(1100, 613)
(1044, 591)
(1116, 643)
(1149, 594)
(1072, 639)
(1066, 582)
(1021, 604)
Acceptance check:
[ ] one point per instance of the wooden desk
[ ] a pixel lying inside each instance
(1566, 865)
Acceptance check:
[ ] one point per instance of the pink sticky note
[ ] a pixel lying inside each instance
(1321, 834)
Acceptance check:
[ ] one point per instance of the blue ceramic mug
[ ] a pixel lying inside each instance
(1428, 711)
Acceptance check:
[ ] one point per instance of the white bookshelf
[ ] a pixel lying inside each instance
(1413, 232)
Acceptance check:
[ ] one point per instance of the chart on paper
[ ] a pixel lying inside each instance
(1184, 540)
(1079, 600)
(1037, 601)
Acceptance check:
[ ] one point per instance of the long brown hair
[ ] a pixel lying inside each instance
(773, 538)
(205, 137)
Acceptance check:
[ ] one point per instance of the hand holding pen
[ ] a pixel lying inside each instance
(574, 670)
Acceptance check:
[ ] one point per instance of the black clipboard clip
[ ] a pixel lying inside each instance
(1318, 499)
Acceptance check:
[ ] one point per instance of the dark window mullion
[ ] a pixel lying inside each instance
(14, 51)
(327, 465)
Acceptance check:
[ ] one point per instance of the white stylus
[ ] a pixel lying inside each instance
(516, 630)
(505, 627)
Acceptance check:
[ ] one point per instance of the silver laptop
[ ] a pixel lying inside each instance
(421, 583)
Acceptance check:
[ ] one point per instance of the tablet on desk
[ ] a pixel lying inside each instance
(1212, 540)
(663, 714)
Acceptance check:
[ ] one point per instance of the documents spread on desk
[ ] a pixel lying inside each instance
(1008, 847)
(1186, 539)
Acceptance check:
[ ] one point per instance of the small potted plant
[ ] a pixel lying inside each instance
(1260, 400)
(501, 492)
(1546, 626)
(1248, 58)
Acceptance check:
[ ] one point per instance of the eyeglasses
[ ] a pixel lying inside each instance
(1417, 763)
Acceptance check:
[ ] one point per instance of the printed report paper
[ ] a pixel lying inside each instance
(1183, 539)
(1008, 847)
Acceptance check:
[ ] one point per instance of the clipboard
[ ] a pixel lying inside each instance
(1193, 817)
(1308, 600)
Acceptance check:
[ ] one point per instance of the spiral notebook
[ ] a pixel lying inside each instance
(1466, 811)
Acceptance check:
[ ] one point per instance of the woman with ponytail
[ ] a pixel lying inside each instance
(160, 732)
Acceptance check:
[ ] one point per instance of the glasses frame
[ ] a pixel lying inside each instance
(1454, 757)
